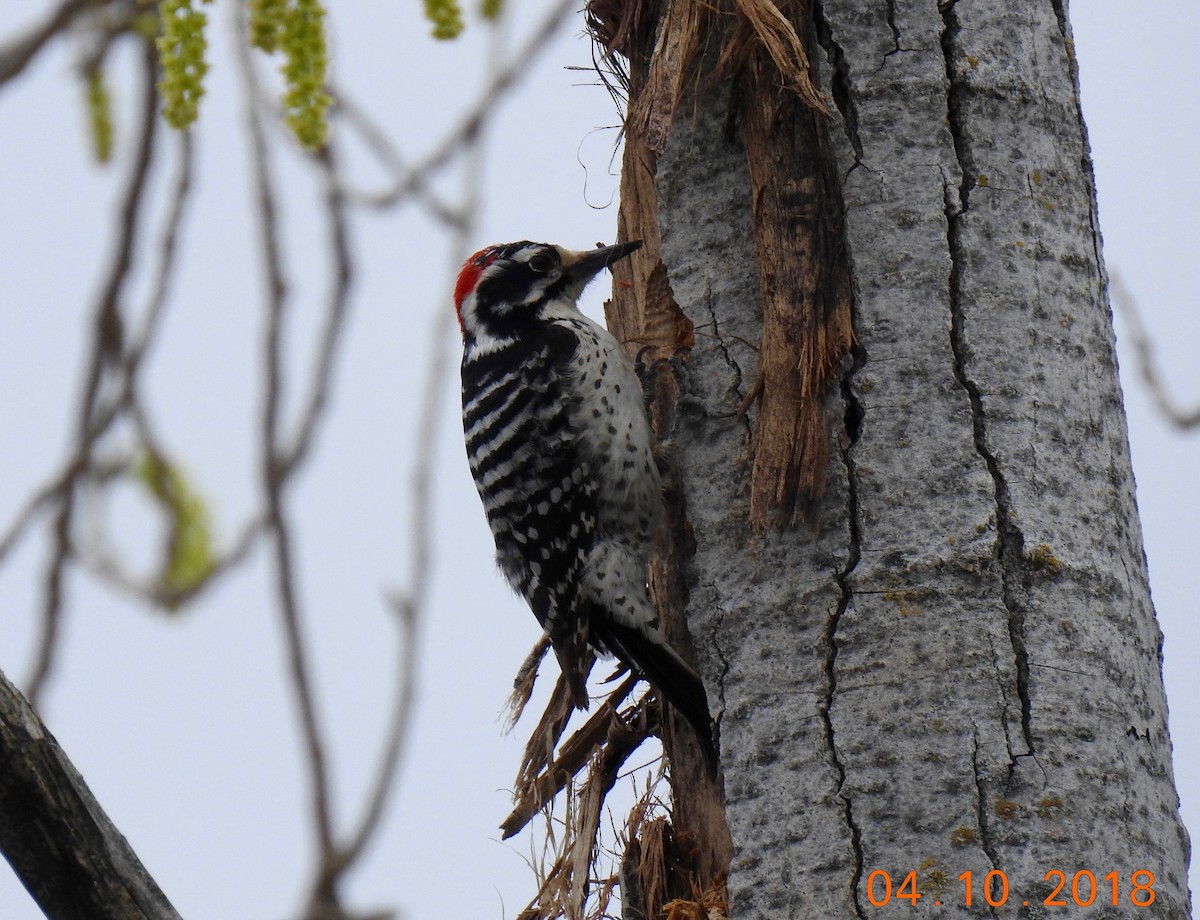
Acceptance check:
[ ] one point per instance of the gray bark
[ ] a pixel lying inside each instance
(67, 853)
(959, 669)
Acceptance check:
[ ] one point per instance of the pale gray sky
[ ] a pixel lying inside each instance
(184, 728)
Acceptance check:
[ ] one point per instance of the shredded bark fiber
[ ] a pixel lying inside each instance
(763, 50)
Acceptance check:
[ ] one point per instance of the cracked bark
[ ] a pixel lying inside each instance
(959, 668)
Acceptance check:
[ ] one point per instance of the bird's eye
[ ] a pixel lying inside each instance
(542, 263)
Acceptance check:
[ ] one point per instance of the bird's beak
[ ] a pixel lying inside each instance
(583, 266)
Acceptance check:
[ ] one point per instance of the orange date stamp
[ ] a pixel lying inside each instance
(1083, 889)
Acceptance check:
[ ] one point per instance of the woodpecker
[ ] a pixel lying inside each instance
(560, 447)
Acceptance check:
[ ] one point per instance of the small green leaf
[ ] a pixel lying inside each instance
(189, 558)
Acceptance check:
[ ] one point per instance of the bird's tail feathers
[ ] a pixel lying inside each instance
(647, 652)
(575, 660)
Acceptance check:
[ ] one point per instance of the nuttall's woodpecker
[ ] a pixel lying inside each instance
(560, 448)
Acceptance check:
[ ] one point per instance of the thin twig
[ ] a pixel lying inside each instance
(16, 54)
(36, 503)
(128, 400)
(106, 345)
(506, 77)
(1144, 349)
(168, 249)
(92, 553)
(378, 143)
(335, 313)
(409, 607)
(274, 469)
(151, 591)
(406, 613)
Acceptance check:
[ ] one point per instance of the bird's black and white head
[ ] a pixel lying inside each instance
(504, 290)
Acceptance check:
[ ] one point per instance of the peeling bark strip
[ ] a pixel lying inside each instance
(804, 275)
(804, 278)
(643, 314)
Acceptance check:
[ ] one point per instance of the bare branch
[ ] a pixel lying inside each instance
(274, 467)
(506, 77)
(378, 143)
(406, 613)
(106, 346)
(16, 55)
(36, 503)
(1147, 364)
(111, 394)
(167, 254)
(409, 607)
(138, 347)
(53, 832)
(104, 566)
(92, 553)
(335, 320)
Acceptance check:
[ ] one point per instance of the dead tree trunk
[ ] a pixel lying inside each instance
(952, 676)
(58, 840)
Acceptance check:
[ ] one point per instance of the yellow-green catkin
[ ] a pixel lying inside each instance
(99, 106)
(490, 9)
(189, 557)
(305, 101)
(181, 48)
(267, 20)
(446, 17)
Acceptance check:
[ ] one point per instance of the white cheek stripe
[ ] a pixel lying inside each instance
(484, 343)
